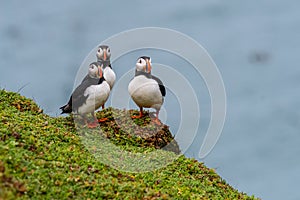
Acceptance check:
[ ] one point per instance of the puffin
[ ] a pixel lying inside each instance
(92, 93)
(145, 89)
(103, 55)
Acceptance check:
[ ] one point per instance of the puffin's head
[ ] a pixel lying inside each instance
(96, 70)
(103, 52)
(144, 64)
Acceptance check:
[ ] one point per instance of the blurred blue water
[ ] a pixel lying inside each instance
(255, 45)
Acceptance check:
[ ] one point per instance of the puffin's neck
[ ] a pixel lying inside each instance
(101, 80)
(105, 63)
(138, 73)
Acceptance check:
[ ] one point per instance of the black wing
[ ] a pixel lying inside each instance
(68, 107)
(85, 78)
(161, 85)
(77, 98)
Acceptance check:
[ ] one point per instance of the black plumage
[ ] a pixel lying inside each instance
(103, 46)
(145, 57)
(161, 85)
(77, 98)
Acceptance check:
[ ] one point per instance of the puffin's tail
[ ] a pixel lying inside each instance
(66, 109)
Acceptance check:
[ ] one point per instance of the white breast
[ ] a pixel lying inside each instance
(109, 76)
(145, 92)
(98, 95)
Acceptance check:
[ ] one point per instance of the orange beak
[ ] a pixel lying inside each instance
(100, 72)
(148, 67)
(104, 55)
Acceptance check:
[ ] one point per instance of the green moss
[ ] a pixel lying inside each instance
(42, 157)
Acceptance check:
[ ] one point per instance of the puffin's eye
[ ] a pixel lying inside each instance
(140, 61)
(108, 50)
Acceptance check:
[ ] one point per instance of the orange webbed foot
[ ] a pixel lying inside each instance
(102, 120)
(92, 125)
(139, 116)
(157, 121)
(136, 116)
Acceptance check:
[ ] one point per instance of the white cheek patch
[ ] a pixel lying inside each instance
(100, 53)
(139, 67)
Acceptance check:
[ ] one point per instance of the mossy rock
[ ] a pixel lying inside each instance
(43, 157)
(141, 132)
(21, 103)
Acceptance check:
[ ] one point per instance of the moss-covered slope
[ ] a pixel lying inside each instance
(43, 157)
